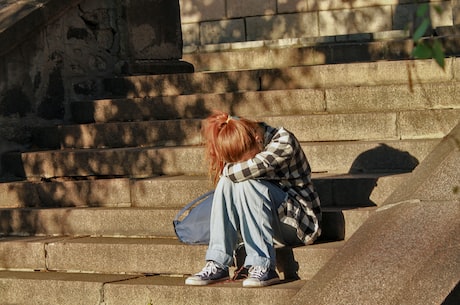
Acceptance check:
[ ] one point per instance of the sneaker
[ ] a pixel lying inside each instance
(211, 273)
(260, 277)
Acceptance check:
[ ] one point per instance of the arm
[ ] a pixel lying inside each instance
(275, 156)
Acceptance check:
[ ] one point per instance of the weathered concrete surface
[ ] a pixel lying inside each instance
(369, 126)
(408, 252)
(409, 72)
(44, 288)
(95, 193)
(142, 162)
(135, 222)
(140, 256)
(272, 102)
(438, 177)
(171, 290)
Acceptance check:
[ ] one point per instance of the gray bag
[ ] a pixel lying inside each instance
(193, 228)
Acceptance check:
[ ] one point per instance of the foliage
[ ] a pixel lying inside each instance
(427, 48)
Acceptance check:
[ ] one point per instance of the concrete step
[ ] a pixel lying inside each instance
(162, 192)
(335, 190)
(72, 193)
(88, 221)
(388, 125)
(136, 222)
(335, 157)
(141, 256)
(389, 45)
(300, 77)
(54, 288)
(343, 99)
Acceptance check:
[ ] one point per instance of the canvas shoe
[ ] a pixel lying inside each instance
(211, 273)
(260, 277)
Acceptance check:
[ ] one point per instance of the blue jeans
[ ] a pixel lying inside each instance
(249, 208)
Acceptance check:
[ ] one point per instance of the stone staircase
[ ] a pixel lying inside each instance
(86, 216)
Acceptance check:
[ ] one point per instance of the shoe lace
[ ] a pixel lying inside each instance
(209, 269)
(257, 272)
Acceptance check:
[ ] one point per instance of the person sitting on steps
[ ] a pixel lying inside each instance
(263, 193)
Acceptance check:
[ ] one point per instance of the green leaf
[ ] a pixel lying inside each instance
(422, 51)
(422, 10)
(421, 30)
(438, 9)
(438, 53)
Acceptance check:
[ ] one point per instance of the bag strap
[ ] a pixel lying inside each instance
(179, 214)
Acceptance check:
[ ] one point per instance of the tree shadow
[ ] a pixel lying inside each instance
(144, 152)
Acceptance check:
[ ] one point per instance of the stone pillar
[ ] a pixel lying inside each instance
(154, 36)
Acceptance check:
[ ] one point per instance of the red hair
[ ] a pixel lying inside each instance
(227, 139)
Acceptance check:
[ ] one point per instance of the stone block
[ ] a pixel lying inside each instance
(282, 26)
(146, 162)
(191, 34)
(324, 5)
(171, 192)
(46, 288)
(456, 12)
(309, 259)
(350, 21)
(428, 123)
(132, 134)
(358, 74)
(222, 31)
(237, 8)
(391, 35)
(341, 127)
(405, 14)
(277, 55)
(23, 253)
(18, 194)
(292, 6)
(120, 255)
(171, 290)
(94, 193)
(114, 192)
(133, 222)
(393, 156)
(444, 17)
(194, 11)
(456, 69)
(393, 97)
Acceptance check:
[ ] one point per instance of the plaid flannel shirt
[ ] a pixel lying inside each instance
(283, 162)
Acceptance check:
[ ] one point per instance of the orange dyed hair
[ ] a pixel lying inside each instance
(227, 140)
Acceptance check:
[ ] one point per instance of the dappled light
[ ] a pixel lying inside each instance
(88, 199)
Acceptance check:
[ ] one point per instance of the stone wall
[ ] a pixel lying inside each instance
(220, 21)
(57, 51)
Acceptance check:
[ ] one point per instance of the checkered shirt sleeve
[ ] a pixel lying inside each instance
(283, 162)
